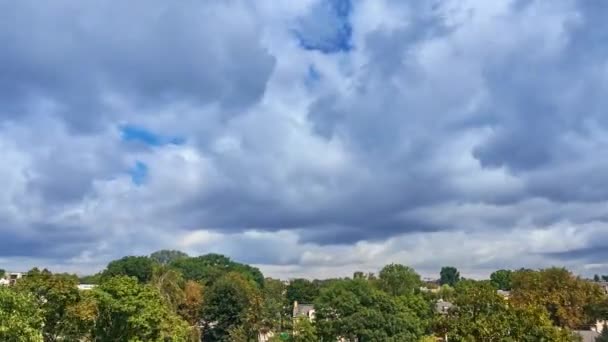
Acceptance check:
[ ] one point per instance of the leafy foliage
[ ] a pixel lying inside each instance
(166, 256)
(21, 319)
(230, 307)
(208, 268)
(398, 279)
(129, 311)
(566, 298)
(480, 314)
(356, 311)
(302, 291)
(140, 267)
(449, 276)
(55, 294)
(501, 279)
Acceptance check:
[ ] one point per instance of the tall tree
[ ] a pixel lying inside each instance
(166, 256)
(129, 311)
(140, 267)
(169, 283)
(21, 319)
(449, 275)
(398, 279)
(501, 279)
(229, 307)
(273, 307)
(55, 294)
(192, 306)
(566, 297)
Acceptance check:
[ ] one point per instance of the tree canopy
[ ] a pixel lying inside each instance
(449, 276)
(356, 311)
(208, 268)
(566, 297)
(140, 267)
(167, 256)
(21, 319)
(501, 279)
(399, 279)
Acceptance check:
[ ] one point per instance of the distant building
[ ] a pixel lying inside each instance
(10, 278)
(303, 310)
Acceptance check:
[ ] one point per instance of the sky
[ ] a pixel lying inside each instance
(309, 138)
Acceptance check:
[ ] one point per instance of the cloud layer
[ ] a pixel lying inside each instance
(310, 138)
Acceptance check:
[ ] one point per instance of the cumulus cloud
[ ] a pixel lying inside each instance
(309, 138)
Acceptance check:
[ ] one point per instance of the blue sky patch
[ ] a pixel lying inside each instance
(326, 28)
(139, 173)
(133, 133)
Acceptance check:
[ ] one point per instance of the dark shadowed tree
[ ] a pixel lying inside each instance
(166, 256)
(449, 275)
(140, 267)
(302, 291)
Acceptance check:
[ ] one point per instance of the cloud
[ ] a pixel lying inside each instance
(310, 138)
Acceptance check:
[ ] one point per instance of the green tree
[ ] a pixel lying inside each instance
(140, 267)
(55, 294)
(166, 256)
(273, 307)
(129, 311)
(566, 297)
(208, 268)
(398, 279)
(449, 275)
(2, 273)
(21, 319)
(357, 311)
(169, 283)
(501, 279)
(304, 331)
(230, 306)
(302, 291)
(480, 314)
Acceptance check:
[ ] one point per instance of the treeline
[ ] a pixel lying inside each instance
(169, 296)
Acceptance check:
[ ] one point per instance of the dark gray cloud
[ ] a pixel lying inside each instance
(447, 117)
(76, 54)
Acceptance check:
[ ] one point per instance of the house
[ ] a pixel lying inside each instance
(303, 310)
(442, 306)
(10, 278)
